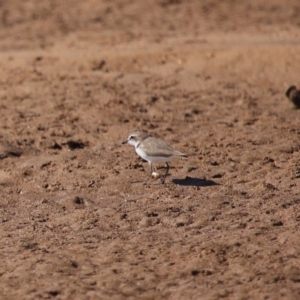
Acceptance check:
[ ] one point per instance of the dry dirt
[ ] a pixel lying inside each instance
(208, 77)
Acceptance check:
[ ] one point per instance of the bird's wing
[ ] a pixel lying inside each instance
(156, 147)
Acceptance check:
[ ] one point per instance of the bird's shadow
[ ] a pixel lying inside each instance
(191, 181)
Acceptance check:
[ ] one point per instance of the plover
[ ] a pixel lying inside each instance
(153, 150)
(294, 96)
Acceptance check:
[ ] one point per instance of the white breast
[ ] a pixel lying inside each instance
(142, 154)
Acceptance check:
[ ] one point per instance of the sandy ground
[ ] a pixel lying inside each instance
(208, 77)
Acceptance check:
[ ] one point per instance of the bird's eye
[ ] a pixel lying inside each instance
(131, 138)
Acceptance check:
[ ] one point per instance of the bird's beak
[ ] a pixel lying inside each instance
(125, 142)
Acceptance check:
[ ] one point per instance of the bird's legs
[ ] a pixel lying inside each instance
(151, 171)
(164, 178)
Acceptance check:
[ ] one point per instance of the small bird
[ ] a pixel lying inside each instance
(294, 95)
(153, 150)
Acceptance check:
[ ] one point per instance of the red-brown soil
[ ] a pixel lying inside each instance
(209, 77)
